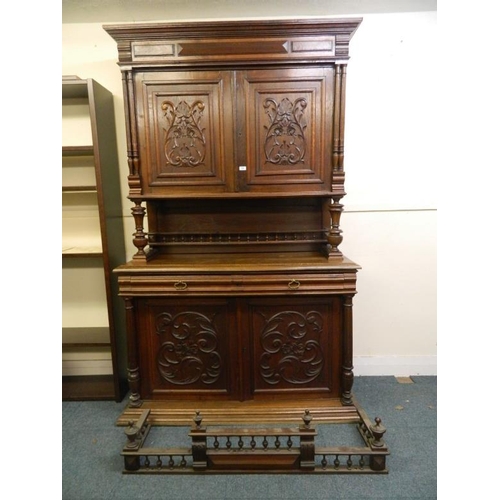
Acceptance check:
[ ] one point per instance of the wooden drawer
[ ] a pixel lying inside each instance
(236, 285)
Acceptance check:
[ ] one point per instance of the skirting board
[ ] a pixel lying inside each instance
(397, 366)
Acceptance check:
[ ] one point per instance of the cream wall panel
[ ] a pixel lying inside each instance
(395, 308)
(83, 297)
(391, 133)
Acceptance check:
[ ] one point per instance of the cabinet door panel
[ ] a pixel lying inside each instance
(185, 348)
(295, 345)
(186, 140)
(285, 117)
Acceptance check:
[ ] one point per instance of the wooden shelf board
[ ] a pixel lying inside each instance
(234, 263)
(89, 387)
(79, 189)
(86, 345)
(74, 88)
(78, 150)
(82, 252)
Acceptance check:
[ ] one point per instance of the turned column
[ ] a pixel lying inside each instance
(134, 181)
(140, 239)
(347, 377)
(334, 236)
(133, 362)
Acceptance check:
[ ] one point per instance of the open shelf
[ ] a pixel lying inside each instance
(92, 245)
(91, 387)
(77, 150)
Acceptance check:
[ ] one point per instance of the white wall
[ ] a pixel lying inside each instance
(390, 214)
(390, 208)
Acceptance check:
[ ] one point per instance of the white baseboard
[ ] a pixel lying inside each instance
(397, 366)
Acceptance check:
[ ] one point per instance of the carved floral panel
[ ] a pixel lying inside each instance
(285, 142)
(185, 144)
(289, 116)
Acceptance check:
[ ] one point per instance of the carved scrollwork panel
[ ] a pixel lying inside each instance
(291, 347)
(189, 352)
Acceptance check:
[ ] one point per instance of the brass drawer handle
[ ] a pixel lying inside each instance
(294, 284)
(180, 285)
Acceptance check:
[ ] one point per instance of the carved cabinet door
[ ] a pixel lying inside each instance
(186, 348)
(284, 124)
(227, 131)
(185, 132)
(295, 346)
(240, 348)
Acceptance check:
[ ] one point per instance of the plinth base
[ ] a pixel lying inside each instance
(235, 413)
(257, 449)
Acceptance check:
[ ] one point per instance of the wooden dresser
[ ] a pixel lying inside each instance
(238, 298)
(238, 290)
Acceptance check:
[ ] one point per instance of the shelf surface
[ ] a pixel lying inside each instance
(74, 88)
(235, 262)
(82, 252)
(84, 345)
(98, 336)
(78, 150)
(88, 387)
(79, 189)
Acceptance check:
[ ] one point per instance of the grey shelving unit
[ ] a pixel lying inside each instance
(92, 246)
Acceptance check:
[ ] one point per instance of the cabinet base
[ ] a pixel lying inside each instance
(258, 449)
(325, 410)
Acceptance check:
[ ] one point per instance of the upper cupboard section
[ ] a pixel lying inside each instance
(235, 131)
(235, 108)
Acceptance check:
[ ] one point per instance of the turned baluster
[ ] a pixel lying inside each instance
(378, 431)
(307, 446)
(377, 462)
(140, 240)
(198, 443)
(334, 236)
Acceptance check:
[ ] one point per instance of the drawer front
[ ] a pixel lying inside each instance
(236, 285)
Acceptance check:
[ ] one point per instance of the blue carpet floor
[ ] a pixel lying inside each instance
(92, 465)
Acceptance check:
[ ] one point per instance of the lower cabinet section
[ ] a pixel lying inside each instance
(239, 348)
